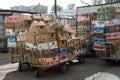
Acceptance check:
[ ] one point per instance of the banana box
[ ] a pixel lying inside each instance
(30, 46)
(77, 51)
(52, 37)
(99, 24)
(19, 25)
(9, 25)
(21, 45)
(63, 51)
(71, 55)
(10, 32)
(53, 45)
(63, 58)
(21, 37)
(61, 36)
(46, 61)
(62, 43)
(11, 38)
(42, 46)
(11, 44)
(54, 52)
(21, 50)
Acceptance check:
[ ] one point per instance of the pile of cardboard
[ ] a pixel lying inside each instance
(41, 40)
(107, 30)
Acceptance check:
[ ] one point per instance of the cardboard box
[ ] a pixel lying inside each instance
(70, 43)
(41, 38)
(36, 16)
(61, 36)
(19, 25)
(99, 24)
(34, 29)
(55, 60)
(30, 46)
(11, 44)
(53, 45)
(24, 17)
(99, 30)
(46, 17)
(117, 28)
(54, 52)
(99, 47)
(62, 44)
(110, 22)
(51, 28)
(77, 51)
(29, 38)
(10, 32)
(113, 35)
(11, 38)
(11, 19)
(21, 44)
(20, 37)
(71, 56)
(52, 37)
(9, 25)
(21, 50)
(46, 61)
(68, 35)
(63, 58)
(99, 41)
(63, 51)
(42, 46)
(27, 23)
(19, 31)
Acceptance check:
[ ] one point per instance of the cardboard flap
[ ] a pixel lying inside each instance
(29, 38)
(46, 17)
(36, 16)
(24, 17)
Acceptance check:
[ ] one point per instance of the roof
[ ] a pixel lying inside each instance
(9, 12)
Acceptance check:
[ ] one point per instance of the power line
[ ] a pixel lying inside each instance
(85, 3)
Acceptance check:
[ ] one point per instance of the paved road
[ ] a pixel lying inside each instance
(75, 72)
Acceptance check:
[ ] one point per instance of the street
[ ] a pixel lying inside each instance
(76, 71)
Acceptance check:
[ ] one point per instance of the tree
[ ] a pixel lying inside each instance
(36, 8)
(59, 8)
(95, 2)
(71, 6)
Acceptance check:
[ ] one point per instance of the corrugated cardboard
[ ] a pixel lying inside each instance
(68, 35)
(63, 58)
(24, 17)
(36, 16)
(41, 38)
(20, 37)
(30, 46)
(10, 32)
(53, 45)
(11, 19)
(42, 46)
(34, 29)
(51, 28)
(62, 44)
(9, 25)
(19, 25)
(46, 17)
(29, 38)
(61, 36)
(52, 37)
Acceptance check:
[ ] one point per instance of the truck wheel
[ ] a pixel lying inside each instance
(81, 59)
(38, 73)
(63, 68)
(20, 67)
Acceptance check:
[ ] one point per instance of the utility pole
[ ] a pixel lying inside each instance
(55, 9)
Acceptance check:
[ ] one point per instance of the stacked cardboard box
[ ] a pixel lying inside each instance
(106, 13)
(41, 40)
